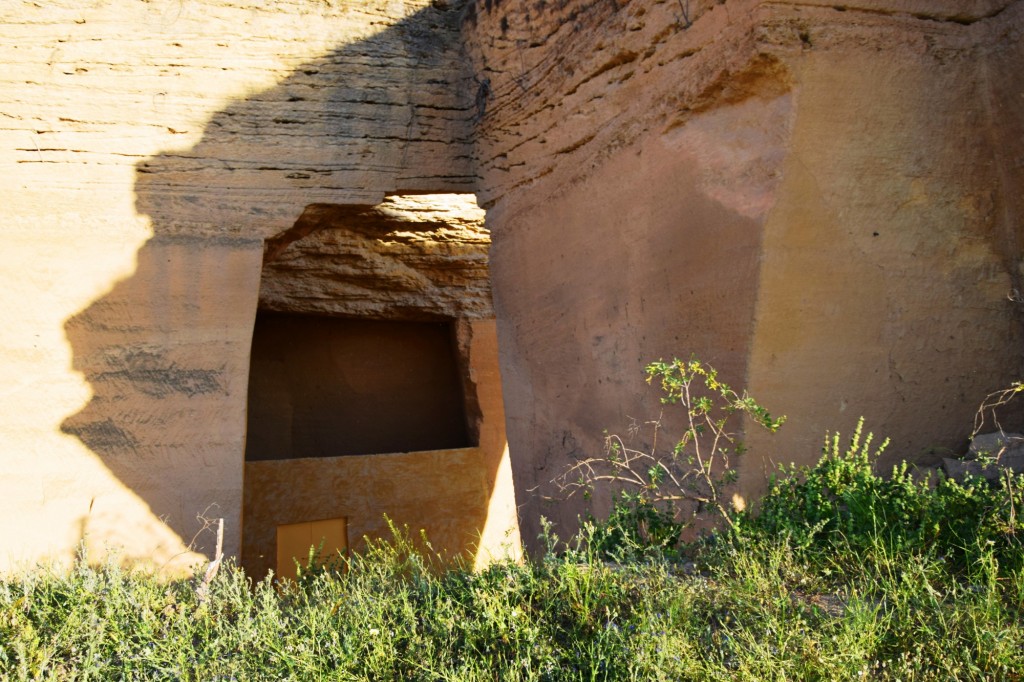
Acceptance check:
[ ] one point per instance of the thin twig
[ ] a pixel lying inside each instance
(203, 591)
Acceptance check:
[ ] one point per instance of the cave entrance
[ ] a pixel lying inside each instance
(328, 387)
(374, 392)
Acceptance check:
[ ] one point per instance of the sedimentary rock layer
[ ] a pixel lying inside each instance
(820, 199)
(146, 151)
(410, 257)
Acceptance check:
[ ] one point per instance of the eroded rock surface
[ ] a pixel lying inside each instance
(990, 456)
(821, 200)
(410, 257)
(148, 150)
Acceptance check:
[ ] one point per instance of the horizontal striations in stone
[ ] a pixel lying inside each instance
(563, 85)
(224, 111)
(571, 82)
(410, 257)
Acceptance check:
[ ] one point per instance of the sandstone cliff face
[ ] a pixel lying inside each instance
(149, 149)
(820, 199)
(409, 257)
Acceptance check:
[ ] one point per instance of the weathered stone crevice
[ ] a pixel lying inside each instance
(589, 82)
(473, 386)
(314, 218)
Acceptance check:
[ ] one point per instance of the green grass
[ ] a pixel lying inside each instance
(844, 576)
(757, 613)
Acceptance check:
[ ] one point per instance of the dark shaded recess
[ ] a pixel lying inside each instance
(324, 387)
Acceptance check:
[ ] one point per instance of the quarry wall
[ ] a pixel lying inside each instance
(822, 200)
(154, 155)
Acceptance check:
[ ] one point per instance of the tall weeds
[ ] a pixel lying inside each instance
(845, 575)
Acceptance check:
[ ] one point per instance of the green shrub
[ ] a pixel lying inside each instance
(636, 529)
(841, 503)
(844, 575)
(656, 493)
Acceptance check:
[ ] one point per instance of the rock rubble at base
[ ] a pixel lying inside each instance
(989, 456)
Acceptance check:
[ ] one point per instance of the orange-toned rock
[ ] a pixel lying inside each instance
(821, 200)
(149, 150)
(409, 257)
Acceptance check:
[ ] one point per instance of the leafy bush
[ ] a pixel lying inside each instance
(636, 528)
(762, 606)
(844, 575)
(841, 503)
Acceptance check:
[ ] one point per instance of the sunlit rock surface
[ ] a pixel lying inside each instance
(822, 200)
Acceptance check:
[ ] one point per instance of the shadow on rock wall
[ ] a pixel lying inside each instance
(166, 350)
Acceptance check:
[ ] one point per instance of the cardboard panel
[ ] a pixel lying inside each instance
(294, 541)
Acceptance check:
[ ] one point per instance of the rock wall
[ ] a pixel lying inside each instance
(148, 150)
(418, 257)
(822, 200)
